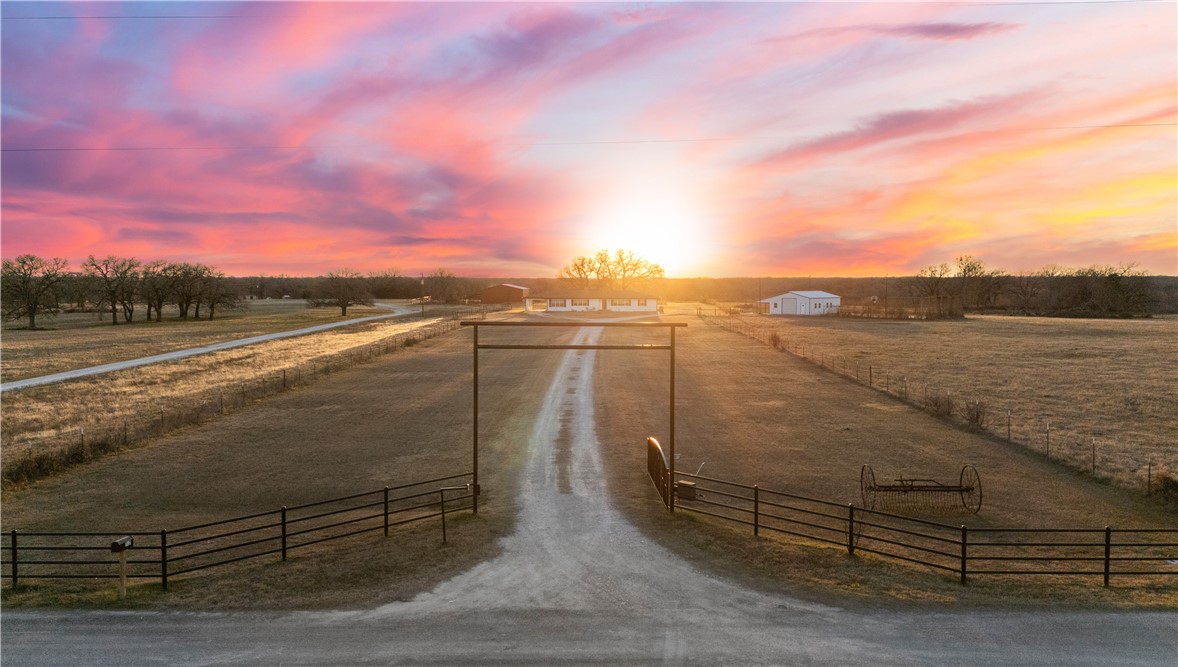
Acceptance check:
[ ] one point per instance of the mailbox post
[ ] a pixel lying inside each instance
(120, 547)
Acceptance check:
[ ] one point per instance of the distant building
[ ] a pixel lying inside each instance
(572, 300)
(809, 302)
(504, 293)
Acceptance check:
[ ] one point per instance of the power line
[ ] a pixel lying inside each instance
(978, 3)
(604, 142)
(150, 148)
(135, 16)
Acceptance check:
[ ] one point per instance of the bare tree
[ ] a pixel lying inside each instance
(580, 272)
(341, 289)
(1024, 289)
(156, 283)
(979, 285)
(932, 281)
(30, 285)
(621, 269)
(630, 269)
(187, 286)
(387, 284)
(443, 286)
(117, 280)
(218, 293)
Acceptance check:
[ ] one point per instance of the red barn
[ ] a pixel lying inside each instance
(504, 293)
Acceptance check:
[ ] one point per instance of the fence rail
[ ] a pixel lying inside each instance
(170, 553)
(1108, 552)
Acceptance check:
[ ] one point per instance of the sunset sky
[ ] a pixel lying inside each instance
(504, 139)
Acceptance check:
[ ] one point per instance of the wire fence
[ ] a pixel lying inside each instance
(1134, 556)
(167, 554)
(1054, 439)
(32, 456)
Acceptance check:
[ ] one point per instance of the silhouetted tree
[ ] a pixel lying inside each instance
(620, 270)
(30, 285)
(116, 280)
(341, 289)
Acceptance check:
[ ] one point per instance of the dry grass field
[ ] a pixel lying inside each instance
(1114, 382)
(746, 412)
(751, 414)
(79, 340)
(401, 418)
(75, 418)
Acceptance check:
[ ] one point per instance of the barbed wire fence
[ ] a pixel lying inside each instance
(42, 454)
(1077, 447)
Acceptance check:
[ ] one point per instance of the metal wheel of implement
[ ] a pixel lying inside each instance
(971, 489)
(867, 487)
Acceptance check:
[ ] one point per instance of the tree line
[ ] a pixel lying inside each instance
(1123, 290)
(32, 286)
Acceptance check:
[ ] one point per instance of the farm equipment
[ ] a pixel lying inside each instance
(922, 495)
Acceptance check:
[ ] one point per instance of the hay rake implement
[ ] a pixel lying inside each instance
(922, 495)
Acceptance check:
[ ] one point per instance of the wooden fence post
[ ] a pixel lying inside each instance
(386, 511)
(284, 533)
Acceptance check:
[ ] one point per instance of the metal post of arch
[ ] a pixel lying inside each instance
(670, 346)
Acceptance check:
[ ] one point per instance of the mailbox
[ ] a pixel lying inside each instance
(685, 490)
(122, 544)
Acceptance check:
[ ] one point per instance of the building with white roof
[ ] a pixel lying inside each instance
(806, 302)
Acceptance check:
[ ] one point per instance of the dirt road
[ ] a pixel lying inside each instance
(577, 583)
(193, 351)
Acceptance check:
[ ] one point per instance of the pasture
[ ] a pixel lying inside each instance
(1072, 387)
(746, 412)
(78, 340)
(112, 409)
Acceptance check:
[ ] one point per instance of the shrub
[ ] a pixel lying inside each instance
(976, 414)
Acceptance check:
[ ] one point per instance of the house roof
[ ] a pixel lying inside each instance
(808, 294)
(591, 294)
(507, 285)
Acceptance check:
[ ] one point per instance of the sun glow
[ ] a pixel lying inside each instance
(662, 225)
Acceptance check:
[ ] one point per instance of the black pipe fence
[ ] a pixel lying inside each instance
(170, 553)
(1099, 552)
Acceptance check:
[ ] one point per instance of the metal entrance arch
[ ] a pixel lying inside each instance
(671, 326)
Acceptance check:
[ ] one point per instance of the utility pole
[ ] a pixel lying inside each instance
(423, 295)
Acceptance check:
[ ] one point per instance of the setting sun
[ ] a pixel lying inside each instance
(661, 224)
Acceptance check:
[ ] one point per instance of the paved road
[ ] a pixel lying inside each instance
(193, 351)
(577, 584)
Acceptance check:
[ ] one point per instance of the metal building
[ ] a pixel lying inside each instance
(808, 302)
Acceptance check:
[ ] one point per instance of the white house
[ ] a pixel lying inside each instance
(566, 301)
(809, 302)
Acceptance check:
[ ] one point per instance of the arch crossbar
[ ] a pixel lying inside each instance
(669, 347)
